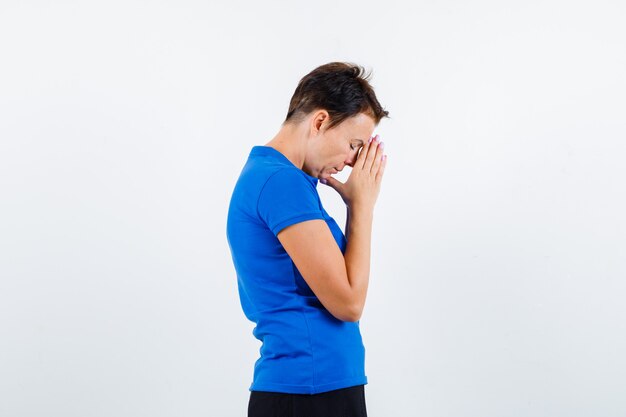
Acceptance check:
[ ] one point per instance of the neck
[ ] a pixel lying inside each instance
(291, 142)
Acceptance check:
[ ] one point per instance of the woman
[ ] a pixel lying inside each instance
(299, 278)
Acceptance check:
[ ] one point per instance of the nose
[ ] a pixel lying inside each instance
(351, 161)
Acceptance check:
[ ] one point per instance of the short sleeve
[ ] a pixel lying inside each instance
(288, 198)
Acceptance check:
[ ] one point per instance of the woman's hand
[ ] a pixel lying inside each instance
(361, 189)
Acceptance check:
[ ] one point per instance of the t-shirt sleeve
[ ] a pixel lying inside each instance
(288, 198)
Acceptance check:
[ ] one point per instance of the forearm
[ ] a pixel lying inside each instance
(357, 254)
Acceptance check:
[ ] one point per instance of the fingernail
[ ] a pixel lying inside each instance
(382, 145)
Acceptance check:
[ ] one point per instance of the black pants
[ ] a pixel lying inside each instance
(344, 402)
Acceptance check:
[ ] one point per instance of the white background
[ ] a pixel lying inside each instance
(499, 245)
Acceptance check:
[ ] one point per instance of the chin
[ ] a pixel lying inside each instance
(326, 174)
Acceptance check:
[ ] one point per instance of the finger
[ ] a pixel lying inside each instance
(381, 169)
(332, 182)
(377, 158)
(360, 160)
(371, 154)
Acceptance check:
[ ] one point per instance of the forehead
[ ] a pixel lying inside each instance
(360, 126)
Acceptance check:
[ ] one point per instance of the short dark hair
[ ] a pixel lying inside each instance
(340, 88)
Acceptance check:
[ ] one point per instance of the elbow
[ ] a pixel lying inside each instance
(355, 314)
(349, 315)
(354, 319)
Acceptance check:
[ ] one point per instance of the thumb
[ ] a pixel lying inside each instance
(332, 182)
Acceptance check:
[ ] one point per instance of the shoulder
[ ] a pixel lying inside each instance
(287, 197)
(287, 178)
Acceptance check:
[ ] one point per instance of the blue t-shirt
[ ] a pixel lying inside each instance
(305, 349)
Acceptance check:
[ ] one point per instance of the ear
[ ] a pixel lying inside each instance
(319, 119)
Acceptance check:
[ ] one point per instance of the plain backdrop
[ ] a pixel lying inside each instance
(498, 271)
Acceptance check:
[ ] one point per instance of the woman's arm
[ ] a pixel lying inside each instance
(339, 280)
(357, 254)
(313, 249)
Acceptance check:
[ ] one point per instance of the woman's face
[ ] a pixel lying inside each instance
(340, 146)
